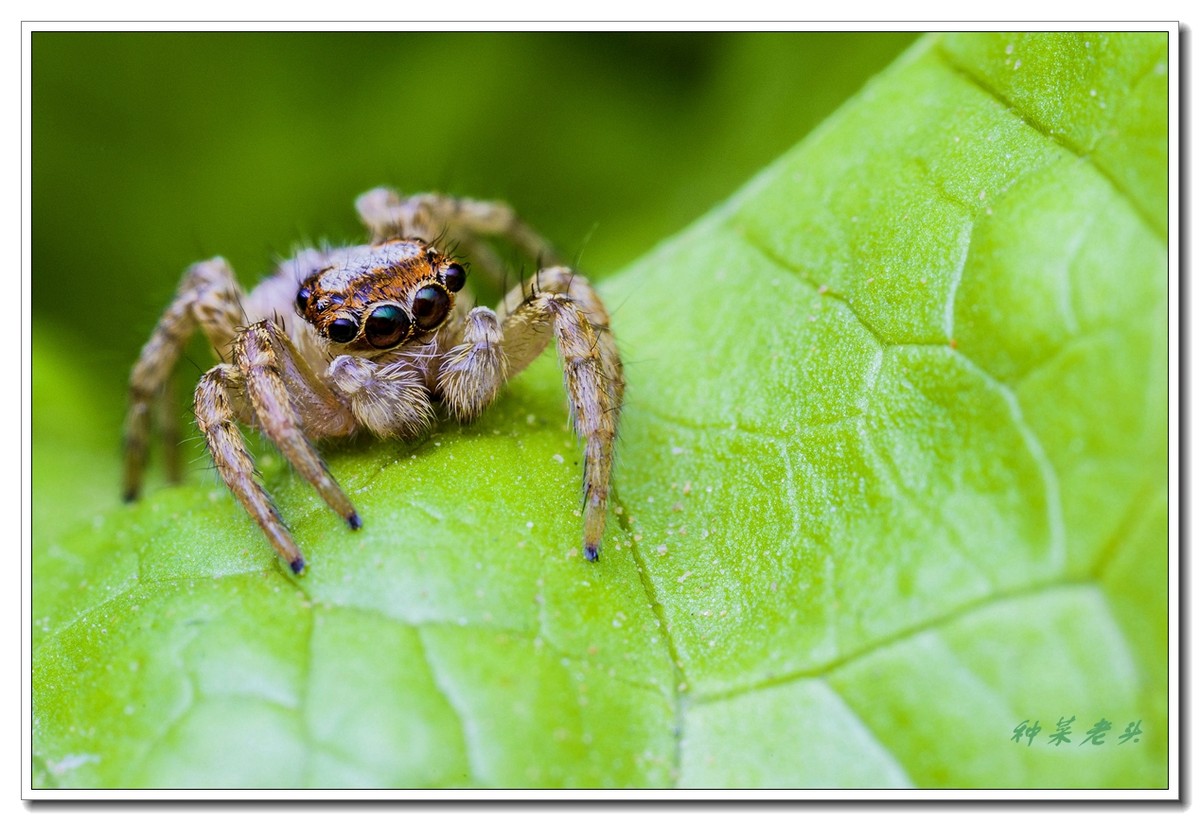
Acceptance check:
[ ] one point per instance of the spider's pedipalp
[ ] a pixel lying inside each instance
(389, 400)
(472, 372)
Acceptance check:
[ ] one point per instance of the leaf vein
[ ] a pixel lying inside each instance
(983, 85)
(936, 623)
(680, 685)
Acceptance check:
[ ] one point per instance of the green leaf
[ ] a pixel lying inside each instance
(891, 482)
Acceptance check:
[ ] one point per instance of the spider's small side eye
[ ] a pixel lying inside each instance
(302, 297)
(387, 326)
(455, 277)
(343, 329)
(429, 307)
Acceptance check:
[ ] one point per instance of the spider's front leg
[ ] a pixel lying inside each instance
(498, 345)
(270, 385)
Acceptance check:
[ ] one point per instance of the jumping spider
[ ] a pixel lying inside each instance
(374, 337)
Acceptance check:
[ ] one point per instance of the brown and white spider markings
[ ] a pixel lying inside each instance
(375, 337)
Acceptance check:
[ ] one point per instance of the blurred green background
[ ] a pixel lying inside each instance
(153, 150)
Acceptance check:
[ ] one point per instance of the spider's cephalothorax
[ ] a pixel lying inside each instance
(372, 337)
(381, 296)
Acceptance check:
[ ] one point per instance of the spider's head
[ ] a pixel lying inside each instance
(379, 297)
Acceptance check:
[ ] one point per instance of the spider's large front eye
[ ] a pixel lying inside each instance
(386, 326)
(302, 297)
(343, 330)
(429, 307)
(455, 277)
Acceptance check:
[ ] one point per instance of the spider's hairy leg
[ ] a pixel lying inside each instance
(208, 296)
(217, 414)
(567, 307)
(387, 214)
(275, 383)
(168, 426)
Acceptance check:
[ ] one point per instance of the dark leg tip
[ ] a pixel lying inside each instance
(354, 521)
(129, 496)
(591, 552)
(297, 566)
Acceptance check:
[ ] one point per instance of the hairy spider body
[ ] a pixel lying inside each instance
(375, 337)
